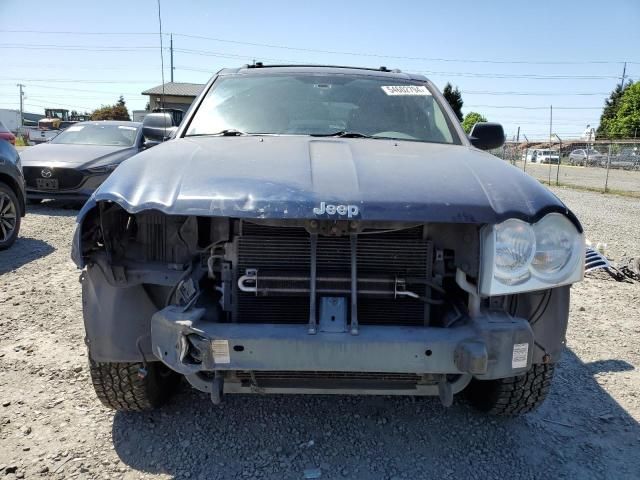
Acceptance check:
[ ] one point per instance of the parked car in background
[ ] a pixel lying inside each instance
(5, 134)
(627, 159)
(548, 156)
(12, 194)
(587, 157)
(74, 163)
(325, 230)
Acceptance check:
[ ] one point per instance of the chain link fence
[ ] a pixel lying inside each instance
(605, 166)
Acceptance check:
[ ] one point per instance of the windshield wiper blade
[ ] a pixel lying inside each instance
(342, 134)
(227, 132)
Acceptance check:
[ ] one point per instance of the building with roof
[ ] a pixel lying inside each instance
(178, 95)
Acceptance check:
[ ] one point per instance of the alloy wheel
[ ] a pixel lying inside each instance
(8, 217)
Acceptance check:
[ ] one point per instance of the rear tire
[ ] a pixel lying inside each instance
(10, 216)
(121, 387)
(514, 395)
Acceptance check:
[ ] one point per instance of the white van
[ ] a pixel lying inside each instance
(540, 155)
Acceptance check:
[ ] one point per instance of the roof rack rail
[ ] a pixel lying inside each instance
(311, 65)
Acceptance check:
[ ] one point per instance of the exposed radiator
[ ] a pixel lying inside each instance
(402, 253)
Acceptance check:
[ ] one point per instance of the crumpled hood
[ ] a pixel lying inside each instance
(287, 177)
(60, 155)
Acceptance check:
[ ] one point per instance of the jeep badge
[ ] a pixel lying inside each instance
(349, 210)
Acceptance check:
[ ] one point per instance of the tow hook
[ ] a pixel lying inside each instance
(217, 388)
(444, 391)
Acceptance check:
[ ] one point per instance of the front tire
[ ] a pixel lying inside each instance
(10, 216)
(121, 387)
(514, 395)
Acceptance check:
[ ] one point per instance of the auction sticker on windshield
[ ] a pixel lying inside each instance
(419, 90)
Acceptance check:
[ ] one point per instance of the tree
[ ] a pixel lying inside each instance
(626, 121)
(470, 120)
(610, 109)
(454, 98)
(112, 112)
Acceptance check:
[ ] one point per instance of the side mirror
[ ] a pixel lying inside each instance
(158, 127)
(487, 136)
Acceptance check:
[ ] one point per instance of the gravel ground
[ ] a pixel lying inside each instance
(592, 177)
(52, 426)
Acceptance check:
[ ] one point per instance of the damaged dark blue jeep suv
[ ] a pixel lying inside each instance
(313, 229)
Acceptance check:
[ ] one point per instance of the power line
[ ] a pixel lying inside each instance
(539, 94)
(75, 80)
(533, 108)
(339, 52)
(48, 87)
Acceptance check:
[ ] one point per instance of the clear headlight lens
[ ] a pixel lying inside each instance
(515, 246)
(556, 246)
(522, 257)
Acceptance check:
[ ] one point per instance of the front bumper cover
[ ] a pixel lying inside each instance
(488, 346)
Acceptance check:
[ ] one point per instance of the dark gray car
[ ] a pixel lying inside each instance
(76, 162)
(325, 230)
(12, 196)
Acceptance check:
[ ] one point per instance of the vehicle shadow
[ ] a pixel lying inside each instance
(25, 250)
(55, 208)
(580, 432)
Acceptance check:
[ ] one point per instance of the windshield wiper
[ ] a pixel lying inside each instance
(227, 132)
(342, 134)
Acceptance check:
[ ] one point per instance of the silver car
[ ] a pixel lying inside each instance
(587, 157)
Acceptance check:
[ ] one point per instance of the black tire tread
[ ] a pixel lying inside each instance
(514, 395)
(7, 189)
(119, 385)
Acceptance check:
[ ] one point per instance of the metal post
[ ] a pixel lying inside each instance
(517, 145)
(21, 86)
(586, 162)
(550, 139)
(171, 50)
(526, 150)
(559, 157)
(606, 182)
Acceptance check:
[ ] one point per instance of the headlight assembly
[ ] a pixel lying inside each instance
(520, 257)
(104, 168)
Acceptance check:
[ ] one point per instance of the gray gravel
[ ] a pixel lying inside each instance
(52, 426)
(592, 177)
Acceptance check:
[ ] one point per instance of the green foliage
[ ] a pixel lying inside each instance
(454, 98)
(626, 122)
(112, 112)
(470, 120)
(610, 110)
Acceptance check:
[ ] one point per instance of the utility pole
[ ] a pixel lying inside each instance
(21, 86)
(171, 50)
(624, 73)
(550, 139)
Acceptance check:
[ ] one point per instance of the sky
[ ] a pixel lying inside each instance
(511, 60)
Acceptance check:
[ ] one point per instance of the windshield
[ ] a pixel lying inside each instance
(317, 104)
(95, 134)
